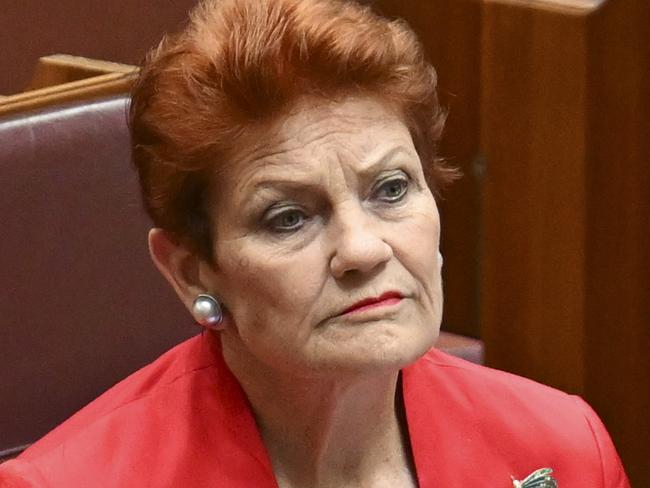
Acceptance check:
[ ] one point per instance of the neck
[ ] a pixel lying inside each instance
(328, 430)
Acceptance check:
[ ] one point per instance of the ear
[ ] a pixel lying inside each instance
(184, 270)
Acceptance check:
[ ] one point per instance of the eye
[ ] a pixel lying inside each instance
(285, 221)
(392, 190)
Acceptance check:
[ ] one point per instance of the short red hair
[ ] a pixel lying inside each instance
(239, 62)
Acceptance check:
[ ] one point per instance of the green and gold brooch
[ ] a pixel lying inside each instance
(539, 479)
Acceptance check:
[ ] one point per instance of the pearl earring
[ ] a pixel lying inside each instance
(207, 312)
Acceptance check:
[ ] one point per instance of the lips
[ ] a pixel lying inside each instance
(388, 297)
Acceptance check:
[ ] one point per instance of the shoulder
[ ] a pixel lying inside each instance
(496, 400)
(495, 393)
(183, 420)
(158, 382)
(517, 420)
(439, 367)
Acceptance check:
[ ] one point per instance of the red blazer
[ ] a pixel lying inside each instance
(184, 421)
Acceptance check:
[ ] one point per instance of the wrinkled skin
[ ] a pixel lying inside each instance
(324, 208)
(320, 209)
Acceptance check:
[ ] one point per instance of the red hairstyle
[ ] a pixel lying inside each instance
(239, 62)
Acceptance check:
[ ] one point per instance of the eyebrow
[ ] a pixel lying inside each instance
(386, 158)
(298, 185)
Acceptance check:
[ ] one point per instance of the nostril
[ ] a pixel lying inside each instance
(363, 256)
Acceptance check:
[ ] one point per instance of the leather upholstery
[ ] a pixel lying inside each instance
(463, 347)
(81, 304)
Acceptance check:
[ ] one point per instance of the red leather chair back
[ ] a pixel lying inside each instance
(81, 304)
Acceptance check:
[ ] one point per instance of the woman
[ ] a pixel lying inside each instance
(287, 155)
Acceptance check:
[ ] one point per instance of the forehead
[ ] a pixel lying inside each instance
(316, 132)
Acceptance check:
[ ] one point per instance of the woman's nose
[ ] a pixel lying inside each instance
(359, 245)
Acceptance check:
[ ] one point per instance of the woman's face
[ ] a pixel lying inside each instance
(325, 208)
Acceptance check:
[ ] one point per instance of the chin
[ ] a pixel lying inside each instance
(400, 354)
(382, 350)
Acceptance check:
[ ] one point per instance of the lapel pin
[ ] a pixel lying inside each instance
(539, 479)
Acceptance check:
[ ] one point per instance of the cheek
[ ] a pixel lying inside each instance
(419, 246)
(274, 292)
(419, 253)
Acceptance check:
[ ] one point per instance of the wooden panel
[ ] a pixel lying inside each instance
(96, 86)
(64, 68)
(449, 31)
(565, 278)
(63, 78)
(618, 228)
(532, 132)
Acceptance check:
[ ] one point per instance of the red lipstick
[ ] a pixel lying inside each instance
(388, 298)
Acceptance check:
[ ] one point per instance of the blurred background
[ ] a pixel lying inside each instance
(547, 237)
